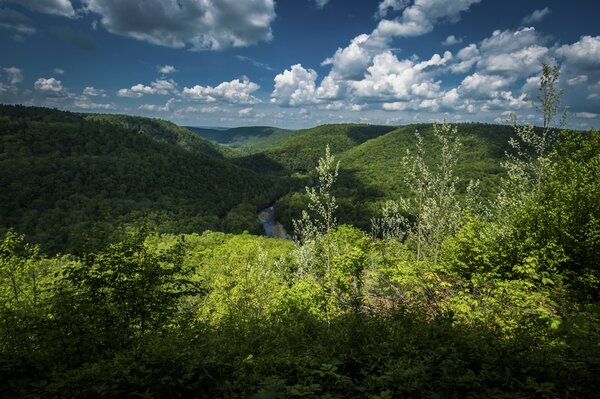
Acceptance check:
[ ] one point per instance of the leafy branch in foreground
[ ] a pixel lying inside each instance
(433, 202)
(530, 162)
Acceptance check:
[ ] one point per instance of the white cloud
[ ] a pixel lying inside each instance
(159, 86)
(167, 69)
(9, 85)
(481, 86)
(245, 112)
(14, 75)
(584, 54)
(295, 86)
(49, 86)
(531, 86)
(386, 5)
(421, 16)
(451, 41)
(58, 71)
(93, 92)
(536, 16)
(522, 62)
(55, 7)
(466, 57)
(196, 24)
(236, 92)
(390, 78)
(158, 108)
(351, 62)
(395, 106)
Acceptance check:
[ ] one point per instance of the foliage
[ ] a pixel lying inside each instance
(502, 303)
(70, 179)
(248, 140)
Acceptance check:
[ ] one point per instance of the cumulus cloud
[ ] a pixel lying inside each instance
(465, 59)
(500, 61)
(351, 63)
(584, 54)
(420, 18)
(536, 16)
(167, 69)
(49, 86)
(392, 79)
(55, 7)
(236, 92)
(451, 41)
(196, 24)
(159, 86)
(482, 86)
(295, 86)
(390, 5)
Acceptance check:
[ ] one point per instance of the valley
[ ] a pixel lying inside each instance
(145, 235)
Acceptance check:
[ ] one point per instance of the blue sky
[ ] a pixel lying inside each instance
(300, 63)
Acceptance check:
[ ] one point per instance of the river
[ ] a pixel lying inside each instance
(272, 227)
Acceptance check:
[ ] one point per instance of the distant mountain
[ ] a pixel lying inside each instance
(300, 150)
(67, 179)
(249, 139)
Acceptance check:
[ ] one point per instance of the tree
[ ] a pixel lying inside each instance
(313, 230)
(432, 203)
(532, 145)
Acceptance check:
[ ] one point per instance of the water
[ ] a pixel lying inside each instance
(272, 227)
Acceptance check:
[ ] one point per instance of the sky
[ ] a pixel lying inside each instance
(301, 63)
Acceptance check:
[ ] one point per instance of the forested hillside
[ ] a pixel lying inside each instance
(477, 275)
(69, 179)
(249, 139)
(371, 163)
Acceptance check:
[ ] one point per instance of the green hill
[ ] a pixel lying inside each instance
(249, 139)
(301, 150)
(371, 168)
(69, 178)
(163, 131)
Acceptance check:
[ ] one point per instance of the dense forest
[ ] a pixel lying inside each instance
(431, 260)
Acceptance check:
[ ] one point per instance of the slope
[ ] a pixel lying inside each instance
(69, 178)
(163, 131)
(372, 171)
(301, 150)
(250, 139)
